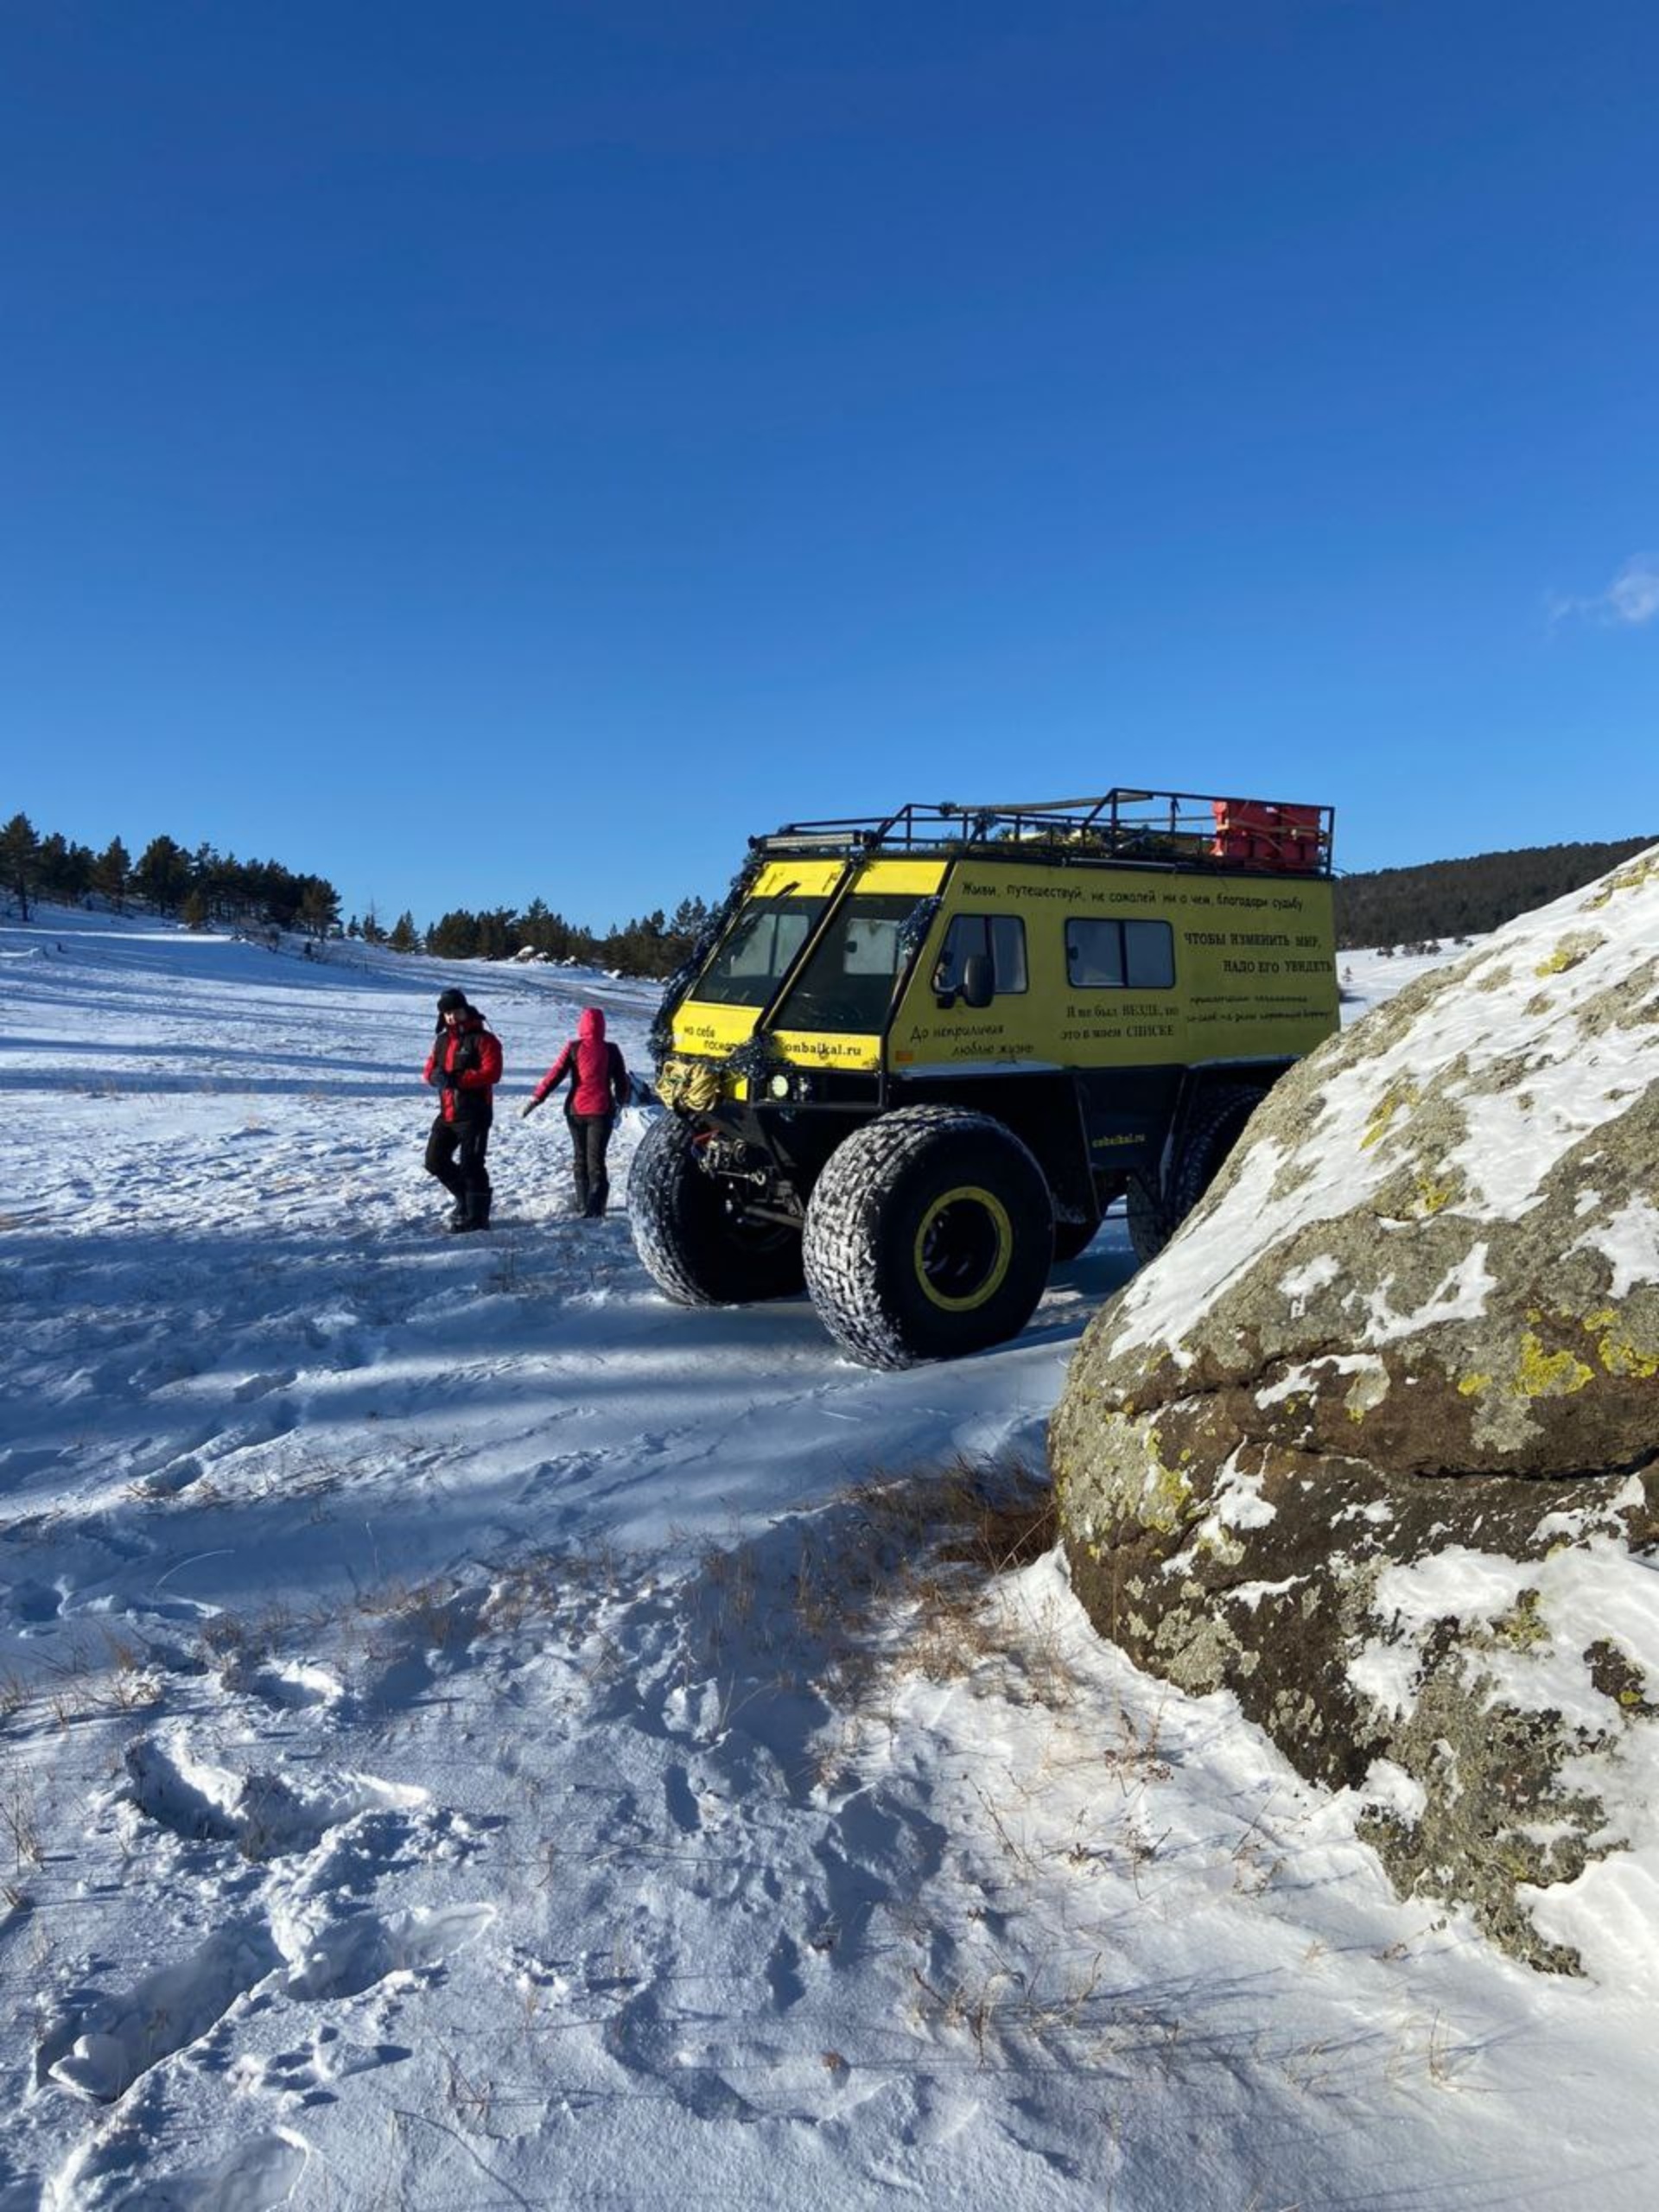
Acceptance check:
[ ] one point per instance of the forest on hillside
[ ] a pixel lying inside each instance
(1465, 898)
(198, 886)
(1432, 902)
(205, 889)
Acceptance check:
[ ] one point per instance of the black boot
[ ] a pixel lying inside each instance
(472, 1212)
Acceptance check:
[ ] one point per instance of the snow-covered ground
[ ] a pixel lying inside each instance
(472, 1733)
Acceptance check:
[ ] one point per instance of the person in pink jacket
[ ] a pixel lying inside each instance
(599, 1084)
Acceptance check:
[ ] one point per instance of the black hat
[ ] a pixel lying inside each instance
(451, 1001)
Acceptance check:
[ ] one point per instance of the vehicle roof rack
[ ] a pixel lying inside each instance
(1174, 830)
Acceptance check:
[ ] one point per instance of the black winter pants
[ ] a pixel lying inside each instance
(590, 1138)
(455, 1153)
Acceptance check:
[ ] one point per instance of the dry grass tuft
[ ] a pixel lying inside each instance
(20, 1825)
(905, 1575)
(945, 1543)
(986, 1519)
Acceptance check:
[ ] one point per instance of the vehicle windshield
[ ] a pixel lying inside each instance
(754, 954)
(847, 985)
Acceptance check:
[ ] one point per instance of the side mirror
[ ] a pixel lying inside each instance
(978, 981)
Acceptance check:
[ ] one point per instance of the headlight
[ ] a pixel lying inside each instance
(778, 1086)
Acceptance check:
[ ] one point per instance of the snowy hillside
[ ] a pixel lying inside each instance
(472, 1733)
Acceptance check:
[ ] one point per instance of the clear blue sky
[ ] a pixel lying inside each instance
(479, 453)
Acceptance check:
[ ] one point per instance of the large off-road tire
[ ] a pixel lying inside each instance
(929, 1233)
(1211, 1134)
(1216, 1127)
(691, 1240)
(1149, 1225)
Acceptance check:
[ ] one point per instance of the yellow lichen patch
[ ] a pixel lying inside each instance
(1398, 1098)
(1619, 1351)
(1166, 1493)
(1645, 870)
(1522, 1627)
(1576, 945)
(1543, 1374)
(1434, 1198)
(1471, 1386)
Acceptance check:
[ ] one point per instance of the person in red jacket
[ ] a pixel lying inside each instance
(464, 1065)
(599, 1084)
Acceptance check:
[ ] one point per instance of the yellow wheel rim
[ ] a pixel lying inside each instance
(964, 1243)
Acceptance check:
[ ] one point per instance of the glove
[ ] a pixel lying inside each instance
(437, 1078)
(528, 1108)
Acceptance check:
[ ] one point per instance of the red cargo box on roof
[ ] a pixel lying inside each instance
(1265, 836)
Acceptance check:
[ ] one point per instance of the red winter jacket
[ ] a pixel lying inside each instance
(597, 1075)
(469, 1058)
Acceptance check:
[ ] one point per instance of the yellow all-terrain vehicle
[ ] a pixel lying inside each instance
(917, 1058)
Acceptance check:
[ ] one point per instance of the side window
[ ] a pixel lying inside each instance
(999, 938)
(1119, 955)
(1008, 952)
(1148, 955)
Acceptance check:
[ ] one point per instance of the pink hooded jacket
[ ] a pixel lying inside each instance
(599, 1080)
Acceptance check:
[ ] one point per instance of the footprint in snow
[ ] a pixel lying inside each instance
(18, 1462)
(311, 2073)
(259, 2174)
(295, 1687)
(108, 2043)
(682, 1805)
(346, 1957)
(36, 1603)
(266, 1816)
(148, 1460)
(169, 1481)
(261, 1386)
(268, 1423)
(783, 1973)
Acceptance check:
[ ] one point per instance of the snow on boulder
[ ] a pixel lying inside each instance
(1375, 1442)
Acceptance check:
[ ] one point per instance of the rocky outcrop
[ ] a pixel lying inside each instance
(1375, 1442)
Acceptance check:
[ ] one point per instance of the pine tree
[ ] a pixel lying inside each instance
(319, 908)
(403, 937)
(162, 874)
(454, 936)
(20, 853)
(112, 872)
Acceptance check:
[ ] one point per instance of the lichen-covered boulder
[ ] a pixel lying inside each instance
(1375, 1442)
